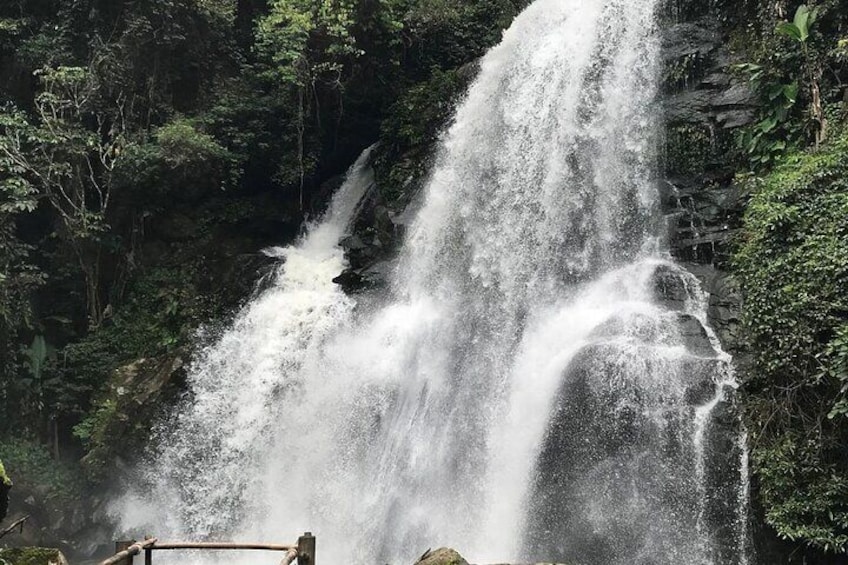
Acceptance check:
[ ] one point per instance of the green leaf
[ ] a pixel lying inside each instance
(36, 356)
(804, 19)
(790, 92)
(789, 30)
(768, 124)
(775, 92)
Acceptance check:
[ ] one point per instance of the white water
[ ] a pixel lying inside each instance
(431, 419)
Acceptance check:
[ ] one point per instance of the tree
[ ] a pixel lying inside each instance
(66, 156)
(307, 46)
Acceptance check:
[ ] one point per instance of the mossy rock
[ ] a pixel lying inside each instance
(4, 478)
(442, 556)
(5, 487)
(32, 556)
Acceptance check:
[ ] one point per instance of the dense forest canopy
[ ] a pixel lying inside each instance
(115, 114)
(148, 146)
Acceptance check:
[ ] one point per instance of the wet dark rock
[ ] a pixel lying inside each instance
(705, 102)
(723, 448)
(623, 417)
(377, 235)
(694, 336)
(700, 89)
(371, 277)
(670, 288)
(725, 305)
(604, 439)
(325, 191)
(685, 39)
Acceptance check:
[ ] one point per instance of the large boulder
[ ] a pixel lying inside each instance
(640, 431)
(137, 395)
(442, 556)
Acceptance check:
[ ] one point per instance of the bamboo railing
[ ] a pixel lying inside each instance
(125, 551)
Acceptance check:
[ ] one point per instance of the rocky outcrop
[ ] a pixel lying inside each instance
(377, 234)
(701, 90)
(705, 103)
(137, 395)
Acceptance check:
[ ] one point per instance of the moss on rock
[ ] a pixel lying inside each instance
(442, 556)
(5, 487)
(32, 556)
(4, 478)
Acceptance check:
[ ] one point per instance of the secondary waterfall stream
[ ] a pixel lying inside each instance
(539, 382)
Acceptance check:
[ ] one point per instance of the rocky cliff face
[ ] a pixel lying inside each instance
(704, 104)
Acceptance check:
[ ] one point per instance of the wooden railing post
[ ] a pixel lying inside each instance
(123, 546)
(306, 549)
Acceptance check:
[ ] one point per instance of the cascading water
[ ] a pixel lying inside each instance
(537, 384)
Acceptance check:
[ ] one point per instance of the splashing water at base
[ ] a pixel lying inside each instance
(539, 382)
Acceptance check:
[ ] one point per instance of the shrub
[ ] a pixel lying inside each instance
(792, 264)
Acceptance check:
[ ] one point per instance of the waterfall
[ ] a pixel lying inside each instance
(539, 382)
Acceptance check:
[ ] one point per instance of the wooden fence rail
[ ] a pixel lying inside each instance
(125, 551)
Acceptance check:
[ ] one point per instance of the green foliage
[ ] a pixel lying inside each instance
(89, 429)
(834, 361)
(93, 432)
(797, 75)
(793, 268)
(66, 156)
(29, 556)
(58, 156)
(446, 34)
(422, 112)
(799, 28)
(4, 478)
(19, 277)
(283, 37)
(778, 130)
(35, 469)
(805, 496)
(180, 161)
(162, 309)
(412, 127)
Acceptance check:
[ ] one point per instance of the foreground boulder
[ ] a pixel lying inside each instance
(442, 556)
(33, 556)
